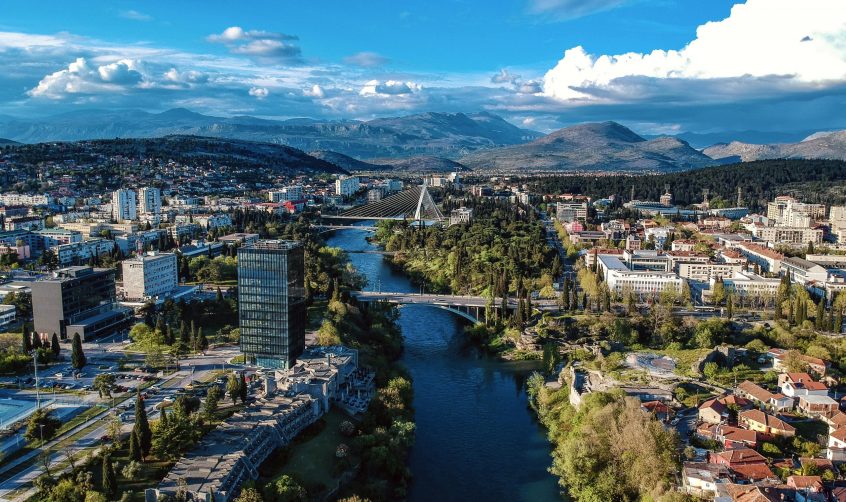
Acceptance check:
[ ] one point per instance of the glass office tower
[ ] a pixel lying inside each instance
(271, 302)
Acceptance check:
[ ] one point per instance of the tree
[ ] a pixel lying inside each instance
(54, 345)
(42, 425)
(233, 388)
(134, 446)
(249, 495)
(77, 356)
(719, 293)
(819, 317)
(711, 370)
(242, 389)
(202, 341)
(212, 400)
(26, 342)
(730, 306)
(794, 363)
(288, 490)
(109, 479)
(36, 341)
(142, 426)
(104, 383)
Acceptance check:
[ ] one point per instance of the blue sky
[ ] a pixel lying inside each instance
(659, 66)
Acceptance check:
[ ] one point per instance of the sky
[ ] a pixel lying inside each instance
(658, 66)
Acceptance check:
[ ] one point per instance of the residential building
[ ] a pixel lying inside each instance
(7, 316)
(786, 211)
(837, 445)
(800, 384)
(238, 239)
(30, 223)
(294, 192)
(754, 392)
(78, 300)
(797, 236)
(571, 211)
(345, 186)
(460, 216)
(803, 271)
(817, 405)
(149, 275)
(815, 364)
(375, 195)
(701, 479)
(758, 421)
(124, 205)
(78, 253)
(29, 200)
(56, 236)
(271, 302)
(767, 259)
(150, 200)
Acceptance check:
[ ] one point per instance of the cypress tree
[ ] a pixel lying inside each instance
(838, 321)
(819, 318)
(77, 356)
(730, 306)
(134, 446)
(26, 344)
(203, 341)
(109, 478)
(36, 341)
(242, 390)
(54, 345)
(183, 333)
(142, 426)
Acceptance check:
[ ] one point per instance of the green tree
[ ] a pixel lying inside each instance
(142, 426)
(54, 345)
(711, 370)
(104, 383)
(249, 495)
(719, 293)
(110, 487)
(288, 490)
(233, 388)
(212, 400)
(77, 356)
(42, 424)
(243, 389)
(134, 446)
(26, 342)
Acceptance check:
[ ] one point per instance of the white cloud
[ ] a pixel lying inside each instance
(805, 42)
(135, 15)
(80, 77)
(186, 77)
(259, 92)
(263, 45)
(505, 77)
(315, 92)
(366, 59)
(389, 88)
(571, 9)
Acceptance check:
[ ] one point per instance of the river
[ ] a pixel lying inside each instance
(476, 437)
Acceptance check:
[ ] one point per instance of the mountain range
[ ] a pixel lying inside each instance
(606, 146)
(821, 145)
(440, 134)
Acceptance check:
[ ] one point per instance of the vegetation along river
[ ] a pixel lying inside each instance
(476, 437)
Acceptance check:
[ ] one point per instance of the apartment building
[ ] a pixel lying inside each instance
(345, 186)
(150, 275)
(124, 205)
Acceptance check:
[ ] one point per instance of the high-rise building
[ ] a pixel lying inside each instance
(149, 275)
(271, 302)
(150, 200)
(124, 207)
(78, 300)
(346, 185)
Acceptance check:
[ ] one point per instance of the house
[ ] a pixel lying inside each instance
(756, 493)
(753, 473)
(834, 420)
(817, 405)
(837, 445)
(700, 478)
(714, 411)
(807, 487)
(736, 457)
(765, 398)
(815, 364)
(660, 410)
(759, 421)
(800, 384)
(735, 437)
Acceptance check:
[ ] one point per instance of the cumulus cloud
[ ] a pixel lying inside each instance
(389, 88)
(315, 92)
(571, 9)
(186, 77)
(505, 77)
(80, 77)
(805, 43)
(267, 46)
(259, 92)
(366, 59)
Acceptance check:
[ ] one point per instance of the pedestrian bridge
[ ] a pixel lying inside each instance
(472, 308)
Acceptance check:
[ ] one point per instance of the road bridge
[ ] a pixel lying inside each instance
(472, 308)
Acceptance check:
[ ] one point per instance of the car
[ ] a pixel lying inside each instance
(674, 421)
(59, 375)
(105, 438)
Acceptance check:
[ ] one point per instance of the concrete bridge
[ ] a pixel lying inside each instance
(331, 228)
(472, 308)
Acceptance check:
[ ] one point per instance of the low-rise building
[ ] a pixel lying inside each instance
(813, 405)
(758, 421)
(800, 384)
(461, 216)
(8, 315)
(803, 271)
(620, 278)
(150, 275)
(79, 253)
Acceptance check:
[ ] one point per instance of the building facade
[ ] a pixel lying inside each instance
(271, 302)
(124, 205)
(346, 185)
(149, 275)
(150, 200)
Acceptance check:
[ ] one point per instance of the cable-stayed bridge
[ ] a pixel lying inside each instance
(413, 204)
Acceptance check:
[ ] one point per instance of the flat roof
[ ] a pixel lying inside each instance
(612, 262)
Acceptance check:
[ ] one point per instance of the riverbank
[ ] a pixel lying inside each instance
(475, 435)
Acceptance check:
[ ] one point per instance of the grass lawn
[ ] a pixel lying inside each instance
(310, 459)
(316, 313)
(810, 429)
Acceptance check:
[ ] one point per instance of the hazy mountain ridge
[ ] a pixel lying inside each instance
(821, 145)
(189, 150)
(441, 134)
(606, 146)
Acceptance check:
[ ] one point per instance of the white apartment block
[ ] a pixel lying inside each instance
(789, 212)
(124, 206)
(81, 252)
(150, 200)
(621, 280)
(7, 315)
(17, 199)
(803, 271)
(705, 271)
(211, 221)
(294, 192)
(798, 236)
(346, 185)
(57, 236)
(571, 211)
(747, 284)
(150, 275)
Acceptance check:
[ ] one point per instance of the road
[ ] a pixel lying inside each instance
(192, 368)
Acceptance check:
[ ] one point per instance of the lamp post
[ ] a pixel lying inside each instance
(35, 370)
(41, 429)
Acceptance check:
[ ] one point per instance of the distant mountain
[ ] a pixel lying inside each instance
(821, 145)
(188, 150)
(4, 141)
(701, 140)
(346, 162)
(441, 134)
(606, 146)
(421, 165)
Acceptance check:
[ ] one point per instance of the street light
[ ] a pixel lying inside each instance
(41, 428)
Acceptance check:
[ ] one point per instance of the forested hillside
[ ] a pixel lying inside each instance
(812, 180)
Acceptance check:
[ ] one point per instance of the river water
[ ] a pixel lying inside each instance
(476, 437)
